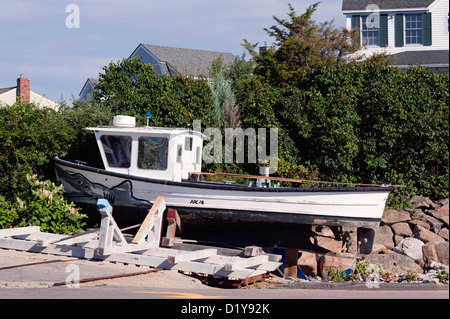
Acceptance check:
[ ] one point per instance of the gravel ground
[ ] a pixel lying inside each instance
(44, 275)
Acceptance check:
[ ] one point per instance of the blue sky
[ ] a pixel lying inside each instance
(36, 42)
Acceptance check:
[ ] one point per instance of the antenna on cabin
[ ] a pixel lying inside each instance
(148, 115)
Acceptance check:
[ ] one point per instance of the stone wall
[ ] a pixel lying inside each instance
(415, 239)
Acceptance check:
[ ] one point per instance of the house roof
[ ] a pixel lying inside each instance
(385, 4)
(91, 81)
(191, 62)
(4, 90)
(435, 57)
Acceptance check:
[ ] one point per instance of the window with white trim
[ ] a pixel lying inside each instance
(414, 28)
(370, 32)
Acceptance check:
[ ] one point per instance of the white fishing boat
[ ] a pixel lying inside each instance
(142, 163)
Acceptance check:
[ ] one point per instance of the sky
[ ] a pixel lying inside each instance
(59, 44)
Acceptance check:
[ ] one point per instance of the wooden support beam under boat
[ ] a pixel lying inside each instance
(151, 227)
(290, 262)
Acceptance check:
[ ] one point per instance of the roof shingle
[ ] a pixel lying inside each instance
(422, 57)
(190, 62)
(385, 4)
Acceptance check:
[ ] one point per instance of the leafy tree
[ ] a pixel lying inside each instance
(131, 87)
(301, 46)
(225, 110)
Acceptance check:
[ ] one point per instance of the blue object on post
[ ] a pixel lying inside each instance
(103, 203)
(148, 115)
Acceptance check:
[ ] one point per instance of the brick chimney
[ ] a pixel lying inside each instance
(23, 89)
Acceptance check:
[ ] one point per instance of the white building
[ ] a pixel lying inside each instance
(23, 93)
(415, 31)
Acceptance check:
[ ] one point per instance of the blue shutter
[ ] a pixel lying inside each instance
(399, 31)
(384, 41)
(427, 38)
(356, 23)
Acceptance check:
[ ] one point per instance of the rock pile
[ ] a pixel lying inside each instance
(413, 240)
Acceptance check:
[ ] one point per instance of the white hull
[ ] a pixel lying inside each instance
(334, 206)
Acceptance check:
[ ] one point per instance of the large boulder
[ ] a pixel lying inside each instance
(444, 233)
(434, 224)
(441, 214)
(402, 229)
(436, 251)
(336, 262)
(392, 216)
(308, 263)
(421, 202)
(411, 247)
(329, 243)
(425, 235)
(384, 236)
(396, 263)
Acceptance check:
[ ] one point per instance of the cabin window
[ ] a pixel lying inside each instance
(188, 143)
(117, 150)
(152, 153)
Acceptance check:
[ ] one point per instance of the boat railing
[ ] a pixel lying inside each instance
(197, 176)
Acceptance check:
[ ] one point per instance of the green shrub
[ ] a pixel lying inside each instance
(362, 123)
(41, 204)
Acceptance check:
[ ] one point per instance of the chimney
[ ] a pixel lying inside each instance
(23, 89)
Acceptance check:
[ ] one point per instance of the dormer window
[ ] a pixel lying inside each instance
(370, 32)
(413, 28)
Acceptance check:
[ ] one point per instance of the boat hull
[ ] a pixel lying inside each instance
(202, 202)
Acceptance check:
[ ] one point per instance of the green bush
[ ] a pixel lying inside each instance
(362, 123)
(41, 204)
(29, 138)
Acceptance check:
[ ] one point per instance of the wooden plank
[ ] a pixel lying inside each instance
(252, 251)
(290, 262)
(193, 255)
(245, 273)
(154, 215)
(40, 236)
(173, 223)
(291, 180)
(246, 262)
(60, 250)
(141, 259)
(78, 237)
(108, 230)
(8, 232)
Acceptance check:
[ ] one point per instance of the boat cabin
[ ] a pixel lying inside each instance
(153, 152)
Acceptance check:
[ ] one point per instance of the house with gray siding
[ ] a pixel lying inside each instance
(414, 31)
(171, 61)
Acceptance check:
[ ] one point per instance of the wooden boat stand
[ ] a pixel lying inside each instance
(108, 243)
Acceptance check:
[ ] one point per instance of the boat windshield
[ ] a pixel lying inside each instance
(152, 153)
(117, 150)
